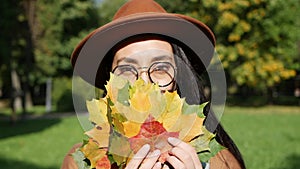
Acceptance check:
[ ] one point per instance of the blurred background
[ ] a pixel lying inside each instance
(258, 42)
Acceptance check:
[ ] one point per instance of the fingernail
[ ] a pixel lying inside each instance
(158, 165)
(174, 141)
(146, 147)
(156, 152)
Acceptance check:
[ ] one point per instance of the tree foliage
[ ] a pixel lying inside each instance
(16, 50)
(37, 39)
(11, 42)
(61, 25)
(256, 39)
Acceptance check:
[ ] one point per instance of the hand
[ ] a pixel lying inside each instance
(144, 159)
(182, 155)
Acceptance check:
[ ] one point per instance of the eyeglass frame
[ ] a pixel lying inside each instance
(138, 73)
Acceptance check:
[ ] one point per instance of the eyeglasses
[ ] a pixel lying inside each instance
(161, 73)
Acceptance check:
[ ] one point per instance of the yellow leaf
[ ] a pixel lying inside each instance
(189, 126)
(114, 84)
(140, 101)
(139, 95)
(117, 120)
(100, 133)
(187, 133)
(131, 128)
(97, 111)
(158, 103)
(92, 152)
(173, 110)
(131, 114)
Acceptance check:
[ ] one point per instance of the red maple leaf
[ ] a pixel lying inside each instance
(153, 133)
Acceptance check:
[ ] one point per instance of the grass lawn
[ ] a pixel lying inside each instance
(38, 144)
(268, 138)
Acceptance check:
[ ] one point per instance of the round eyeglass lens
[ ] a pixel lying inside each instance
(126, 71)
(162, 73)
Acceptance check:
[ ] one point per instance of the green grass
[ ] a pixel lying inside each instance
(268, 138)
(38, 144)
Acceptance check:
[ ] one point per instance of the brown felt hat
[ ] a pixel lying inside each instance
(139, 18)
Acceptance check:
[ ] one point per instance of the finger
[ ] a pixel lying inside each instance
(165, 167)
(174, 141)
(150, 160)
(157, 165)
(188, 149)
(138, 157)
(175, 162)
(183, 156)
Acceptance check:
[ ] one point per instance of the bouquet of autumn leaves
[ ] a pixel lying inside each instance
(130, 116)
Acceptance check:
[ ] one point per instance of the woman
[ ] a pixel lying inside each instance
(141, 40)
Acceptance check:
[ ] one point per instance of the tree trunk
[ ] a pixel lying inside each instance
(16, 99)
(48, 95)
(29, 8)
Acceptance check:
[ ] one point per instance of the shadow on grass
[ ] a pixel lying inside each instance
(13, 164)
(292, 161)
(259, 101)
(25, 127)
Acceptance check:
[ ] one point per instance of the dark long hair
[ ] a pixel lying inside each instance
(197, 71)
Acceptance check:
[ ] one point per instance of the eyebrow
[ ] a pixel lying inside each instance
(155, 59)
(127, 60)
(162, 57)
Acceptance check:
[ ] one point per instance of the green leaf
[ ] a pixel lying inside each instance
(204, 156)
(79, 158)
(201, 107)
(110, 103)
(190, 109)
(202, 142)
(123, 95)
(215, 147)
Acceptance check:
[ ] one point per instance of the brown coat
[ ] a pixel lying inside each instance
(223, 160)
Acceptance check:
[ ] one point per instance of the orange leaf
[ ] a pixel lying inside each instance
(103, 163)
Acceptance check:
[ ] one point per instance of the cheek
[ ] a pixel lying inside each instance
(170, 88)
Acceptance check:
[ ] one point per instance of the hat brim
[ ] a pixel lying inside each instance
(89, 54)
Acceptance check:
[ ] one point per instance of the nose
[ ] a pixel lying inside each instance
(144, 76)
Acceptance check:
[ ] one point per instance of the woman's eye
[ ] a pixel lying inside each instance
(162, 68)
(126, 69)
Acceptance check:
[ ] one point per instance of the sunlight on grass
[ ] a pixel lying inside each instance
(268, 138)
(38, 143)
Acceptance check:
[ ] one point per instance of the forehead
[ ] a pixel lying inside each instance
(144, 50)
